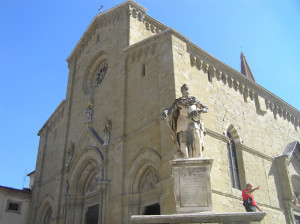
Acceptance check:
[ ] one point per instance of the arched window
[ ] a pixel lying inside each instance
(232, 160)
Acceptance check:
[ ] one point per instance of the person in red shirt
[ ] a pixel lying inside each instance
(248, 198)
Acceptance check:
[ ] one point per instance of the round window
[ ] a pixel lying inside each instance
(99, 75)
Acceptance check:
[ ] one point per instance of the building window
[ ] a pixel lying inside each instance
(232, 160)
(13, 206)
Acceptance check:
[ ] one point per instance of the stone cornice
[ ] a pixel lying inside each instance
(264, 100)
(54, 118)
(150, 41)
(153, 25)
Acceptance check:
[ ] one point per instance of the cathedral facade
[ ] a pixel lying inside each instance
(104, 154)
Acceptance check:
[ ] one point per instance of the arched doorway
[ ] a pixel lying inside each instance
(84, 200)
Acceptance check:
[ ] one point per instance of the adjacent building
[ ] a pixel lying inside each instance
(14, 205)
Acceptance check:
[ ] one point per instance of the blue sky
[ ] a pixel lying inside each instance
(38, 36)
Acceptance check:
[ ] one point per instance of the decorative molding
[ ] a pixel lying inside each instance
(134, 5)
(54, 118)
(144, 51)
(139, 13)
(153, 25)
(136, 13)
(255, 152)
(134, 51)
(249, 89)
(216, 135)
(239, 145)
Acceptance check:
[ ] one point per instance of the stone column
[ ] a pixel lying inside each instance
(102, 197)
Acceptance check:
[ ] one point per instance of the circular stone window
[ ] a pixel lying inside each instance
(95, 74)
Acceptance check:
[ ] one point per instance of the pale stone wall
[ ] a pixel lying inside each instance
(15, 196)
(103, 42)
(108, 98)
(262, 136)
(147, 96)
(49, 162)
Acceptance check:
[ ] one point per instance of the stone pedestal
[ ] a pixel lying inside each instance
(194, 198)
(222, 218)
(192, 185)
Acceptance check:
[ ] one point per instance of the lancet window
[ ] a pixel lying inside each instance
(232, 160)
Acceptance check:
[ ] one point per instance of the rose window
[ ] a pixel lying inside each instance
(99, 75)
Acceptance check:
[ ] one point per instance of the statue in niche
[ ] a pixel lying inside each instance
(107, 131)
(70, 154)
(89, 111)
(92, 185)
(186, 124)
(100, 175)
(296, 199)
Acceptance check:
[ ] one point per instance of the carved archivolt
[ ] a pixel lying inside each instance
(149, 180)
(44, 213)
(143, 171)
(84, 169)
(92, 186)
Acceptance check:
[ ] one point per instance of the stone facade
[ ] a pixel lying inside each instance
(105, 152)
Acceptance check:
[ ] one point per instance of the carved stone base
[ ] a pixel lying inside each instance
(192, 185)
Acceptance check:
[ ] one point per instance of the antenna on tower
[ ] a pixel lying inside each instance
(101, 6)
